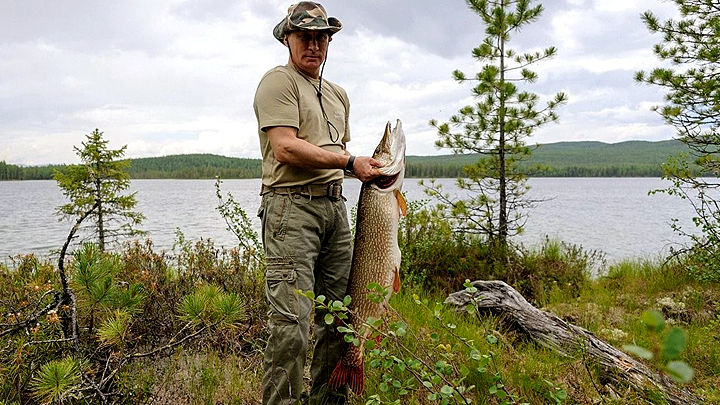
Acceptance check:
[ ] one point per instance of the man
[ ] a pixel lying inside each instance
(303, 130)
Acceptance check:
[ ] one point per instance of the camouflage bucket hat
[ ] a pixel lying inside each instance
(306, 15)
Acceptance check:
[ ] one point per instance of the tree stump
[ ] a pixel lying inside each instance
(548, 330)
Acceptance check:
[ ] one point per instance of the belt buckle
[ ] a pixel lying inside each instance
(334, 191)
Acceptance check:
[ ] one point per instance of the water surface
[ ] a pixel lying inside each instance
(612, 215)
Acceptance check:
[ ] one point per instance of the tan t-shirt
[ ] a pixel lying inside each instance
(285, 97)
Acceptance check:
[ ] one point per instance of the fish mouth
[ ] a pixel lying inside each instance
(391, 152)
(384, 182)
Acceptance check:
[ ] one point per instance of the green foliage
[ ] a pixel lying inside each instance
(130, 305)
(233, 270)
(220, 364)
(209, 305)
(95, 277)
(703, 260)
(423, 235)
(425, 239)
(565, 159)
(190, 166)
(25, 277)
(58, 381)
(496, 128)
(557, 393)
(692, 45)
(15, 172)
(239, 224)
(664, 355)
(195, 166)
(115, 329)
(555, 267)
(96, 187)
(432, 365)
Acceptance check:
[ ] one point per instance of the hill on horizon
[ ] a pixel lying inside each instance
(564, 159)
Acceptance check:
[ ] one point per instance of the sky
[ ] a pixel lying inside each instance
(166, 77)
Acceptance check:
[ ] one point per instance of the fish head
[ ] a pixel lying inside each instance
(391, 153)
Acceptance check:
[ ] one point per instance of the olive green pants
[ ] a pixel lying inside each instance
(308, 246)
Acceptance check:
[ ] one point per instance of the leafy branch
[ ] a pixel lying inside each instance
(664, 356)
(438, 364)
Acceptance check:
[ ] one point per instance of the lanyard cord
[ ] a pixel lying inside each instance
(319, 95)
(318, 91)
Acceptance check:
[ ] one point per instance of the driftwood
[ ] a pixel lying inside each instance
(546, 329)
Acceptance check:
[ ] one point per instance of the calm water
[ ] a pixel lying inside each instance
(612, 215)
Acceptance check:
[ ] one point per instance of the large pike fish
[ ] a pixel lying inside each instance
(376, 255)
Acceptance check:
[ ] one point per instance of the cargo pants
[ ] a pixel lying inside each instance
(308, 246)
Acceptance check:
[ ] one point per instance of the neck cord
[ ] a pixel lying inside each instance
(318, 91)
(319, 95)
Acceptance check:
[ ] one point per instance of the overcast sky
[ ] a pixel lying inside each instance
(178, 76)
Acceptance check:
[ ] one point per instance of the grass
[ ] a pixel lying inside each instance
(203, 377)
(610, 307)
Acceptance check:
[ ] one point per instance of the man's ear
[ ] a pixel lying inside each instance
(285, 40)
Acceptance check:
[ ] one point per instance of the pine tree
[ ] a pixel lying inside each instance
(497, 126)
(96, 187)
(691, 45)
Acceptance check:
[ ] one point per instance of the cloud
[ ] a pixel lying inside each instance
(179, 76)
(447, 29)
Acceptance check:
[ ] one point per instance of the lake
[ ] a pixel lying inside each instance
(612, 215)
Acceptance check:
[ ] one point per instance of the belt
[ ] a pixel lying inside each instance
(330, 190)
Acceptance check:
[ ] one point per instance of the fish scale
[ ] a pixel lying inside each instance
(376, 254)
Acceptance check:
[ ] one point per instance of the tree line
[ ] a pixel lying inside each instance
(562, 159)
(191, 166)
(195, 166)
(15, 172)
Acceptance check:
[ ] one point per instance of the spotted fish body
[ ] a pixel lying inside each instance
(376, 255)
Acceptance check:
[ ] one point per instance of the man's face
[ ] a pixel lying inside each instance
(308, 49)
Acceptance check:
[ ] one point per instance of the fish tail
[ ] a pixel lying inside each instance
(348, 374)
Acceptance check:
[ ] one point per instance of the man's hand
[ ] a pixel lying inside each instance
(366, 168)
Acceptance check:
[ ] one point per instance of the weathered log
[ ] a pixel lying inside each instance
(548, 330)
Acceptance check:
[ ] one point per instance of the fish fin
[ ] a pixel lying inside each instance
(357, 380)
(343, 374)
(396, 281)
(339, 376)
(401, 202)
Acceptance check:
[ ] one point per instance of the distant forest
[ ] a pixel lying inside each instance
(567, 159)
(562, 159)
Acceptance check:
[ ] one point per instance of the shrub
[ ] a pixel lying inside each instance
(130, 305)
(425, 240)
(703, 262)
(556, 265)
(436, 258)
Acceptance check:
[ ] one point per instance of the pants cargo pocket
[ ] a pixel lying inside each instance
(280, 213)
(281, 289)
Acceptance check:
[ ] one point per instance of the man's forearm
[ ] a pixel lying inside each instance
(291, 150)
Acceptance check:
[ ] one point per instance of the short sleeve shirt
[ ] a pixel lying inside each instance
(286, 97)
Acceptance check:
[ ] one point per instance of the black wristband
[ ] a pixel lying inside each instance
(350, 163)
